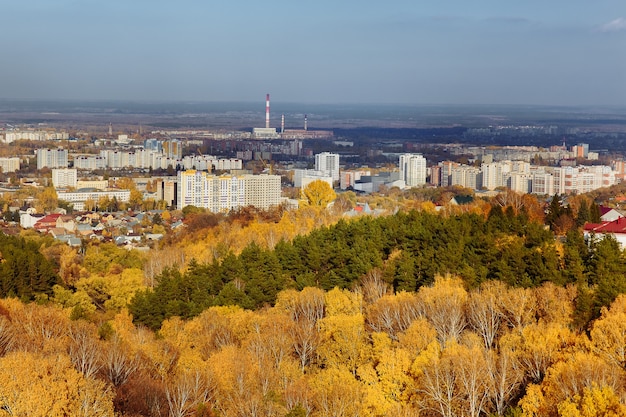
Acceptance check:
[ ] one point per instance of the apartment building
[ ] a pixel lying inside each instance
(413, 169)
(227, 192)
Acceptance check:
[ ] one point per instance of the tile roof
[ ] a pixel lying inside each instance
(616, 226)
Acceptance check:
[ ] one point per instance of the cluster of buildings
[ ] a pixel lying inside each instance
(31, 134)
(221, 193)
(120, 228)
(518, 175)
(326, 169)
(522, 177)
(154, 155)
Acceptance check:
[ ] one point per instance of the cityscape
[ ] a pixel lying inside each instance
(327, 209)
(177, 165)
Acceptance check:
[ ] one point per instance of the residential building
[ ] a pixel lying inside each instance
(303, 177)
(64, 177)
(51, 158)
(413, 169)
(227, 192)
(328, 163)
(10, 164)
(79, 197)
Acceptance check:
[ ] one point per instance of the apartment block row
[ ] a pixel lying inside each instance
(522, 177)
(139, 158)
(35, 135)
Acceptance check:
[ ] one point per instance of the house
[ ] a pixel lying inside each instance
(29, 218)
(66, 222)
(608, 214)
(47, 222)
(615, 228)
(460, 200)
(84, 229)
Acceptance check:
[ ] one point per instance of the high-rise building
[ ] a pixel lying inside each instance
(10, 164)
(64, 177)
(173, 148)
(446, 172)
(51, 158)
(413, 169)
(328, 163)
(227, 192)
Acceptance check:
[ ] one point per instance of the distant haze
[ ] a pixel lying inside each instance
(553, 52)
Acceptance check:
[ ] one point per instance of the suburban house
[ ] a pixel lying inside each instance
(608, 214)
(615, 228)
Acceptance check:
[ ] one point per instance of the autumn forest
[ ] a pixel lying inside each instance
(496, 308)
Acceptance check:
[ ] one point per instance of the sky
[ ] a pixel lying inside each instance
(531, 52)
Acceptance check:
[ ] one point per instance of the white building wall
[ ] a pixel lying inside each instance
(413, 169)
(51, 158)
(64, 177)
(225, 193)
(10, 164)
(328, 163)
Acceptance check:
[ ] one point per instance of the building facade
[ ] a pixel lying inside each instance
(328, 163)
(10, 164)
(413, 169)
(51, 158)
(227, 192)
(64, 177)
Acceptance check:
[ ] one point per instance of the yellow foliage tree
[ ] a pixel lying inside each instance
(318, 194)
(338, 393)
(608, 335)
(594, 402)
(48, 386)
(443, 304)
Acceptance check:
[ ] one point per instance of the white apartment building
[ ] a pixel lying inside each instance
(446, 172)
(465, 176)
(262, 191)
(521, 182)
(329, 163)
(34, 135)
(89, 162)
(226, 192)
(51, 158)
(64, 177)
(413, 169)
(495, 174)
(210, 163)
(542, 183)
(573, 180)
(78, 198)
(10, 164)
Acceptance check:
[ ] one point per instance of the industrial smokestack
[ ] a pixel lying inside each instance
(305, 122)
(282, 124)
(267, 111)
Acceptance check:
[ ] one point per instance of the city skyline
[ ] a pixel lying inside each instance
(561, 53)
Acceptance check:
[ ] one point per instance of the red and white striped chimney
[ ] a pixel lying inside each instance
(267, 111)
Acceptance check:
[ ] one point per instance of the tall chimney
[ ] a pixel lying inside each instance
(282, 124)
(305, 122)
(267, 111)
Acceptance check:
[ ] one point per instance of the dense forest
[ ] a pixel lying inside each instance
(407, 250)
(487, 310)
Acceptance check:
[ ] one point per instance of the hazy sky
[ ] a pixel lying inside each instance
(324, 51)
